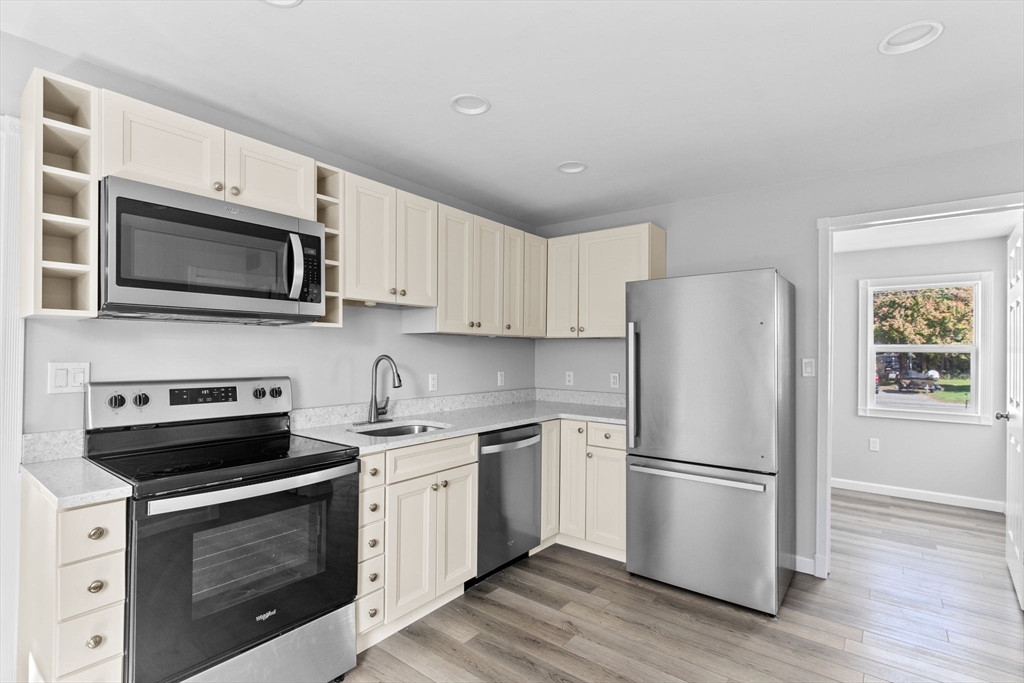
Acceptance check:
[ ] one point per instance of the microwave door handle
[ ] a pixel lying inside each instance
(298, 266)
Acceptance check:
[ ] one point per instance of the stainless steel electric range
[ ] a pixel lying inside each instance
(242, 536)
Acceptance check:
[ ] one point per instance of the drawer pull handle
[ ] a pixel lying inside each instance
(96, 586)
(373, 577)
(372, 612)
(96, 533)
(579, 429)
(433, 487)
(444, 483)
(374, 507)
(590, 455)
(373, 471)
(373, 543)
(94, 642)
(607, 435)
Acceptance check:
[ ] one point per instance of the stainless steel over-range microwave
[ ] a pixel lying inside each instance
(171, 255)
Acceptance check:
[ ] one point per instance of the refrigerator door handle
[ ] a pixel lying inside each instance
(749, 486)
(632, 330)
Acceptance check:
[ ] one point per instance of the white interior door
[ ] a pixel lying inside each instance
(1014, 414)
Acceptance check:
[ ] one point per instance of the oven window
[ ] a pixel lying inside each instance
(244, 560)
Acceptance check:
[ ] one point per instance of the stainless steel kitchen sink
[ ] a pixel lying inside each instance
(399, 430)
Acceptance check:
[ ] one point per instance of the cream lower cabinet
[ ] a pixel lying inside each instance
(572, 485)
(372, 543)
(563, 286)
(550, 437)
(512, 287)
(592, 484)
(606, 497)
(535, 286)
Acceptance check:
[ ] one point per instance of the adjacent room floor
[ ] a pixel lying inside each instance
(918, 592)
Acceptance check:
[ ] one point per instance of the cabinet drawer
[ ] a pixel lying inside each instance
(106, 522)
(369, 611)
(75, 583)
(371, 506)
(371, 471)
(371, 541)
(73, 638)
(371, 575)
(105, 672)
(427, 458)
(606, 436)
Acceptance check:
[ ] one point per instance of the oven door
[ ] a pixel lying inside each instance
(170, 250)
(215, 573)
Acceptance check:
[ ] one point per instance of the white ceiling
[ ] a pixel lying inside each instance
(665, 101)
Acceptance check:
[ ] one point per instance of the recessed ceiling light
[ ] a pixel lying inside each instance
(572, 167)
(470, 105)
(285, 4)
(910, 37)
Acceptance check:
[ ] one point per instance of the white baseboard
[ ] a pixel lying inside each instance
(588, 546)
(918, 494)
(805, 565)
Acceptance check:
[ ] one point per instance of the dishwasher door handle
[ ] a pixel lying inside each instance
(502, 447)
(749, 486)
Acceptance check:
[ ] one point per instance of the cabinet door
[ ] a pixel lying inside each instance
(416, 239)
(563, 286)
(608, 260)
(606, 497)
(263, 176)
(487, 276)
(512, 284)
(456, 527)
(535, 286)
(550, 435)
(411, 532)
(572, 489)
(152, 145)
(369, 230)
(455, 246)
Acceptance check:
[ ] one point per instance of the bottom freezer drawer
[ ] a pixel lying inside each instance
(705, 529)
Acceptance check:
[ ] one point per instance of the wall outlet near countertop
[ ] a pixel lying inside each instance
(501, 378)
(568, 378)
(615, 380)
(873, 445)
(66, 378)
(432, 382)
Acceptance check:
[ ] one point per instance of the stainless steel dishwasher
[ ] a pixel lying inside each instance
(509, 496)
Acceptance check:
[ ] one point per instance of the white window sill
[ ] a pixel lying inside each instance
(927, 415)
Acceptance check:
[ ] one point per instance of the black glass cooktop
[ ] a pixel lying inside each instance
(199, 466)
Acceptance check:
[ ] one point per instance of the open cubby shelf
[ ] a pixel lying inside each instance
(328, 183)
(68, 102)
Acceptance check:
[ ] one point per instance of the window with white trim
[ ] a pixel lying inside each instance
(926, 348)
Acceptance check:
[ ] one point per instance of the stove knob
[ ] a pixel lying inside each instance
(140, 400)
(259, 393)
(116, 401)
(275, 392)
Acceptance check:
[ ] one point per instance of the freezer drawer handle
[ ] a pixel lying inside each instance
(502, 447)
(749, 486)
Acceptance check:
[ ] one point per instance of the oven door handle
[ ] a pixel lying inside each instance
(298, 266)
(198, 500)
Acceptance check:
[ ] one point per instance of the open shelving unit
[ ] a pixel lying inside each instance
(59, 197)
(329, 182)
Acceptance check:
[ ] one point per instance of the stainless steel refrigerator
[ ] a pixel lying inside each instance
(710, 374)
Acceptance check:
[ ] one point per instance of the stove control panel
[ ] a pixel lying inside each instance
(128, 404)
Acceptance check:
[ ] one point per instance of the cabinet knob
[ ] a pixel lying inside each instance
(607, 435)
(374, 507)
(478, 324)
(372, 543)
(433, 487)
(472, 325)
(590, 455)
(572, 329)
(392, 291)
(401, 292)
(373, 577)
(94, 642)
(218, 186)
(373, 471)
(579, 429)
(444, 483)
(507, 326)
(96, 586)
(372, 612)
(581, 329)
(235, 191)
(96, 533)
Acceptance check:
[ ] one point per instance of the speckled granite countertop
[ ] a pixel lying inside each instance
(74, 482)
(464, 422)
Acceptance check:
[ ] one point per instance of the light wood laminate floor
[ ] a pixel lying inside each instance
(918, 592)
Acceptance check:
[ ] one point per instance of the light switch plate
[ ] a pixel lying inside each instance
(615, 380)
(66, 378)
(432, 382)
(873, 445)
(568, 378)
(807, 367)
(501, 378)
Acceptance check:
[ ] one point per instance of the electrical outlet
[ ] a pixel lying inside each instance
(501, 378)
(615, 380)
(568, 378)
(66, 378)
(873, 445)
(432, 382)
(807, 368)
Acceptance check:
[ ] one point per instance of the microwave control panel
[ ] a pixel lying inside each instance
(312, 264)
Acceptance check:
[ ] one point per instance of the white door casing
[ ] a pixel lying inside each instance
(1015, 409)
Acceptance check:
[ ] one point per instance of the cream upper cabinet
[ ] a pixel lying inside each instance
(550, 436)
(411, 548)
(563, 286)
(535, 286)
(370, 247)
(606, 497)
(153, 145)
(514, 253)
(266, 177)
(572, 503)
(455, 247)
(487, 276)
(416, 241)
(456, 527)
(608, 259)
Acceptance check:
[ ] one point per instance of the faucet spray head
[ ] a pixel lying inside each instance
(397, 383)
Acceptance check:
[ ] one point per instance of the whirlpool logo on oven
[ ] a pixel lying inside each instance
(266, 615)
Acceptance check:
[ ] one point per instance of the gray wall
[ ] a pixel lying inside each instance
(961, 459)
(776, 226)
